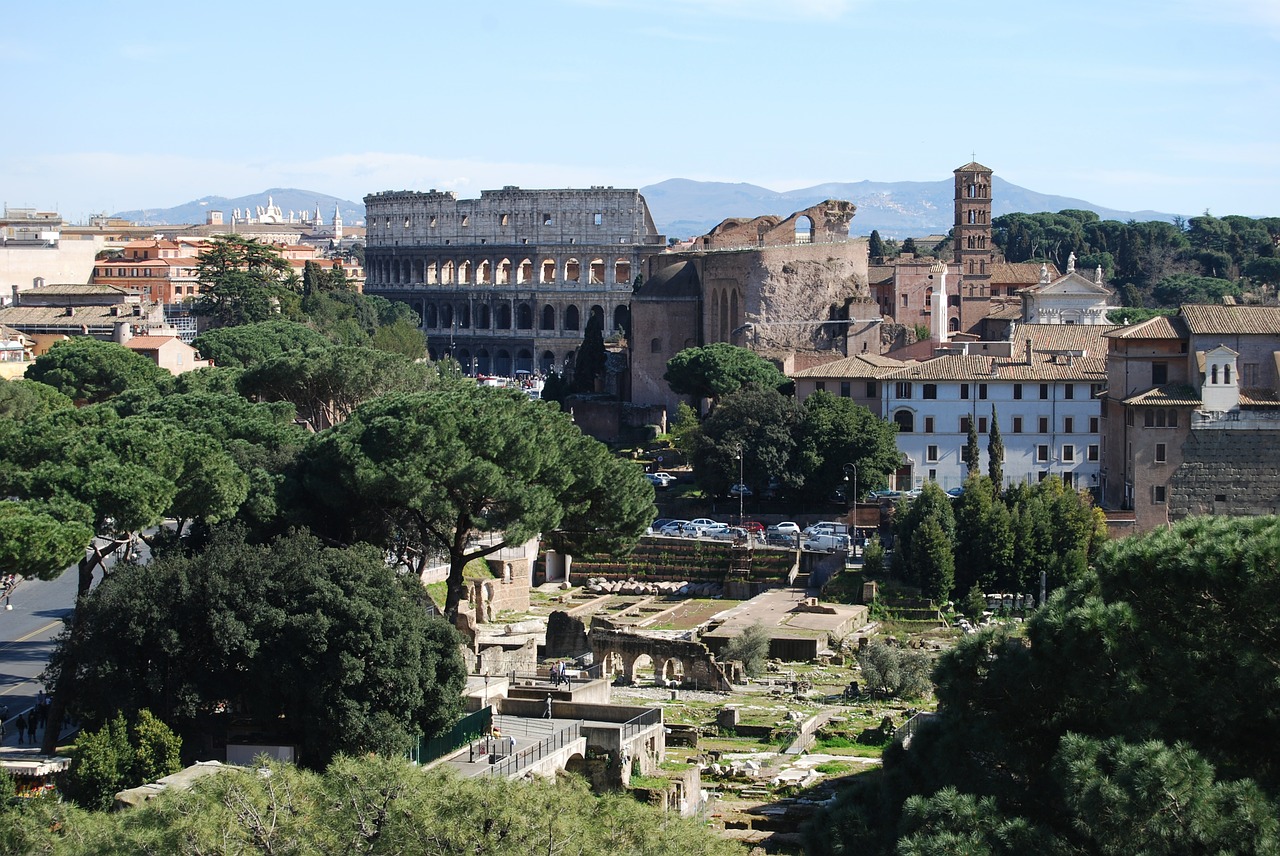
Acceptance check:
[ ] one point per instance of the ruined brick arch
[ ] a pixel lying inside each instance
(548, 271)
(524, 272)
(723, 334)
(484, 272)
(464, 272)
(447, 272)
(804, 229)
(504, 272)
(572, 270)
(622, 652)
(622, 272)
(595, 271)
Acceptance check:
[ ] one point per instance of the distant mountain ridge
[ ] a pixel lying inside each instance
(685, 208)
(287, 198)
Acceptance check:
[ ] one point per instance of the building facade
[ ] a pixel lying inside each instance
(507, 282)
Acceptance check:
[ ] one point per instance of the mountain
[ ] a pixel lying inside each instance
(682, 208)
(287, 198)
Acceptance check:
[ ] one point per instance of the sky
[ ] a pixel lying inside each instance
(1165, 105)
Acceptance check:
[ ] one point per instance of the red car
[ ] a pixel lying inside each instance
(754, 527)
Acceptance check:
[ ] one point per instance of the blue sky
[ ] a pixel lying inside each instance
(1168, 105)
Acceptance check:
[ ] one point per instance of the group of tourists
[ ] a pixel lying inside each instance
(28, 722)
(559, 673)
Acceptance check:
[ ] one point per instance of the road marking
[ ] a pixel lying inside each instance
(35, 632)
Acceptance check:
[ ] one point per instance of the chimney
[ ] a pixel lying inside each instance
(71, 311)
(1030, 354)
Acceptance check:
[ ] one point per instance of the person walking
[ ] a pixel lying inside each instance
(21, 726)
(31, 728)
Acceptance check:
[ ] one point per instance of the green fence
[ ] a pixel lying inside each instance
(469, 728)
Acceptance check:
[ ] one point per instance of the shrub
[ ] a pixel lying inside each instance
(751, 647)
(892, 672)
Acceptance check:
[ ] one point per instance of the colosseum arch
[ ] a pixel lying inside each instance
(504, 272)
(484, 272)
(418, 275)
(548, 271)
(483, 363)
(502, 317)
(464, 272)
(446, 272)
(524, 360)
(446, 315)
(464, 316)
(597, 312)
(596, 269)
(572, 270)
(463, 356)
(548, 318)
(572, 321)
(622, 319)
(502, 363)
(524, 272)
(431, 319)
(547, 362)
(484, 318)
(524, 317)
(433, 273)
(622, 272)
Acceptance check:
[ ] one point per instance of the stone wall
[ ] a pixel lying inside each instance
(1227, 471)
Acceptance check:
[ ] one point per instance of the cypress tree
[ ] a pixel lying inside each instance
(972, 455)
(995, 454)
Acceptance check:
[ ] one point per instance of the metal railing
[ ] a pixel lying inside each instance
(908, 730)
(645, 720)
(513, 764)
(463, 732)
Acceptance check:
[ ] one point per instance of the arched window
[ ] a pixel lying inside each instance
(524, 360)
(571, 319)
(597, 312)
(446, 315)
(431, 321)
(502, 363)
(622, 320)
(572, 270)
(655, 346)
(464, 272)
(446, 273)
(483, 365)
(1214, 374)
(548, 317)
(433, 274)
(502, 318)
(597, 272)
(905, 420)
(504, 277)
(622, 272)
(954, 325)
(524, 273)
(548, 270)
(547, 363)
(484, 318)
(464, 316)
(484, 273)
(1226, 373)
(524, 318)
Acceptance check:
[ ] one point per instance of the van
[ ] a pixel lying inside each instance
(826, 543)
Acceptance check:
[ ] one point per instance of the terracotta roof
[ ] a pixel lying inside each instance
(1171, 395)
(877, 274)
(1259, 397)
(1005, 311)
(981, 368)
(1063, 337)
(1232, 320)
(1015, 272)
(73, 289)
(146, 343)
(1159, 327)
(21, 316)
(857, 366)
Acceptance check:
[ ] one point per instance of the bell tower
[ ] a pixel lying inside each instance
(972, 242)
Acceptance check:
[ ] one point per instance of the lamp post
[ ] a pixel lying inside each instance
(742, 488)
(854, 468)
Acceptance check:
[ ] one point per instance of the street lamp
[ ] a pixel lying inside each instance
(742, 488)
(854, 468)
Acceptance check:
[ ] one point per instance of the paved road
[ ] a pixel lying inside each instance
(26, 639)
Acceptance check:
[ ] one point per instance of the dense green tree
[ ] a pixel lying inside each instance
(909, 246)
(995, 453)
(719, 369)
(888, 671)
(873, 557)
(242, 281)
(430, 472)
(324, 647)
(876, 248)
(750, 647)
(368, 805)
(758, 423)
(327, 385)
(589, 366)
(933, 560)
(38, 544)
(250, 345)
(87, 370)
(984, 541)
(835, 431)
(400, 337)
(1181, 288)
(121, 755)
(22, 399)
(931, 503)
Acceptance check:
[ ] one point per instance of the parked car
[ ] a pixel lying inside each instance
(829, 543)
(827, 527)
(729, 533)
(878, 495)
(955, 492)
(740, 490)
(656, 526)
(754, 527)
(662, 479)
(700, 525)
(675, 529)
(786, 527)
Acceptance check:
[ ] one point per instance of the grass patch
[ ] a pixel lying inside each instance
(834, 768)
(653, 783)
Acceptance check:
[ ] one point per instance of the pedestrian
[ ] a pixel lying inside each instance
(511, 744)
(39, 697)
(21, 725)
(547, 713)
(31, 728)
(43, 710)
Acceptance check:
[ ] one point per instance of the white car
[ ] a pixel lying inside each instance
(785, 528)
(662, 479)
(675, 528)
(700, 525)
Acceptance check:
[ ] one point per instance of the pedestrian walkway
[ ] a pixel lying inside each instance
(28, 738)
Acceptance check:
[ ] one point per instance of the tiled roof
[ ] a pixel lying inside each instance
(979, 368)
(877, 274)
(973, 165)
(1159, 327)
(1064, 337)
(1005, 311)
(1011, 273)
(1171, 395)
(1232, 320)
(1259, 397)
(71, 289)
(857, 366)
(146, 343)
(21, 316)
